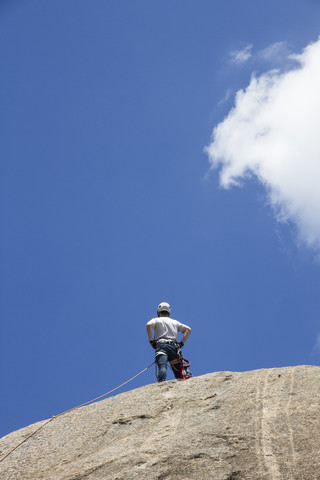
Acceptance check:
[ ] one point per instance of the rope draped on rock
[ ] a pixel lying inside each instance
(71, 410)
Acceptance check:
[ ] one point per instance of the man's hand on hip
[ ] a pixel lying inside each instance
(153, 343)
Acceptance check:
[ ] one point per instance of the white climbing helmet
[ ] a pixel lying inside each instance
(164, 307)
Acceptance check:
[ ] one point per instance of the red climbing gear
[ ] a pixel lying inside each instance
(184, 364)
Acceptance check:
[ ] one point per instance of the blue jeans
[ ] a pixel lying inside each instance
(166, 352)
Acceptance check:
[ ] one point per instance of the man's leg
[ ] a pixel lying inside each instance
(176, 367)
(161, 360)
(173, 356)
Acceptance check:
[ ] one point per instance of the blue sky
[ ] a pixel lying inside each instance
(110, 203)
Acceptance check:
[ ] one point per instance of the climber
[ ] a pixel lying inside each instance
(165, 341)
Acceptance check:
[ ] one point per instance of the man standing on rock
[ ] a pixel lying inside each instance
(165, 340)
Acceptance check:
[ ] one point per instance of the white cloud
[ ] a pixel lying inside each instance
(226, 97)
(273, 133)
(316, 348)
(241, 56)
(277, 52)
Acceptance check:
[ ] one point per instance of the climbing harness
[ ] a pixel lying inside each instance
(184, 364)
(71, 409)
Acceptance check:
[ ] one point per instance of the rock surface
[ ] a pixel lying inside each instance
(257, 425)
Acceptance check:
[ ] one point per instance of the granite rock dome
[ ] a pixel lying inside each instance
(258, 425)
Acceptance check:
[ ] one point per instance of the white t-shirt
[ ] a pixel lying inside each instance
(166, 327)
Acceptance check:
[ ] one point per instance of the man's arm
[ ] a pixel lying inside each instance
(152, 342)
(149, 331)
(186, 335)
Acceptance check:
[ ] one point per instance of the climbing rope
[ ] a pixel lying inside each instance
(71, 410)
